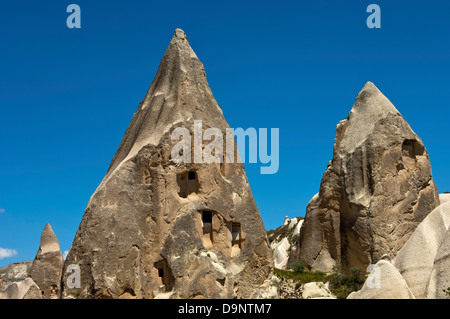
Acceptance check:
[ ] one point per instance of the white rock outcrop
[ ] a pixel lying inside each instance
(440, 275)
(421, 267)
(443, 198)
(297, 227)
(384, 282)
(316, 290)
(280, 254)
(283, 241)
(416, 259)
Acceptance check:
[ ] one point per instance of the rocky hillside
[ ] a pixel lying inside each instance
(284, 239)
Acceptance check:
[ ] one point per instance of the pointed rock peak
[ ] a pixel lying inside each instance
(49, 241)
(181, 42)
(369, 90)
(369, 86)
(371, 100)
(179, 92)
(179, 34)
(135, 188)
(370, 106)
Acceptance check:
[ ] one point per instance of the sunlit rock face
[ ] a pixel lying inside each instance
(376, 190)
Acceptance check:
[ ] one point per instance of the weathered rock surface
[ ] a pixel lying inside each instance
(15, 272)
(374, 193)
(422, 263)
(416, 259)
(46, 270)
(298, 227)
(25, 289)
(317, 290)
(155, 227)
(288, 288)
(268, 290)
(384, 282)
(280, 254)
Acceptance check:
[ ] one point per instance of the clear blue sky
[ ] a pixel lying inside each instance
(67, 96)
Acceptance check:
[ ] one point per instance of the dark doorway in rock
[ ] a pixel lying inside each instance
(410, 150)
(207, 217)
(236, 235)
(187, 183)
(165, 276)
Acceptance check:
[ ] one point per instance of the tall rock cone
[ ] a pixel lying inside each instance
(46, 270)
(374, 193)
(159, 228)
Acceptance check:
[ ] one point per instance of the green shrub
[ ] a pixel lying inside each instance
(298, 266)
(304, 277)
(295, 239)
(342, 284)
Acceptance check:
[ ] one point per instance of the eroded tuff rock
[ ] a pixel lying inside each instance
(158, 229)
(25, 289)
(376, 190)
(46, 270)
(416, 259)
(15, 272)
(420, 269)
(439, 284)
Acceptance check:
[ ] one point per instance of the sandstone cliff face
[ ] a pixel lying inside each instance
(46, 270)
(155, 228)
(374, 193)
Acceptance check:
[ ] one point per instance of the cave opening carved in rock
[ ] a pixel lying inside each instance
(165, 276)
(188, 183)
(410, 150)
